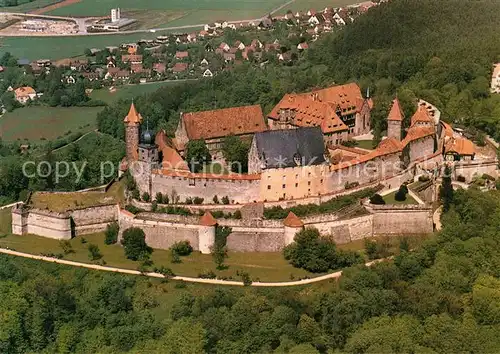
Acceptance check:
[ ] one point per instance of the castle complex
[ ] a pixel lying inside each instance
(296, 153)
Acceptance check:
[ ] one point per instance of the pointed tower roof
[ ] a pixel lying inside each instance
(133, 117)
(293, 220)
(208, 220)
(396, 113)
(421, 116)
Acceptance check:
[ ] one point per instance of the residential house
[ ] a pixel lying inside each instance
(225, 47)
(208, 73)
(1, 69)
(311, 12)
(179, 67)
(204, 62)
(132, 58)
(111, 63)
(240, 45)
(265, 23)
(285, 57)
(221, 24)
(91, 76)
(209, 47)
(24, 94)
(209, 27)
(117, 74)
(70, 79)
(256, 44)
(316, 20)
(140, 70)
(160, 68)
(229, 57)
(303, 46)
(203, 34)
(181, 55)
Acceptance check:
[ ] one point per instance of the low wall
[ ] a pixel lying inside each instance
(345, 231)
(94, 219)
(470, 169)
(401, 219)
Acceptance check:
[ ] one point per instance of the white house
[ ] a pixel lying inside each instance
(23, 94)
(225, 47)
(495, 79)
(208, 73)
(204, 62)
(240, 45)
(339, 20)
(316, 19)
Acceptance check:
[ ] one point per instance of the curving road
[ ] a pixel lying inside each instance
(335, 275)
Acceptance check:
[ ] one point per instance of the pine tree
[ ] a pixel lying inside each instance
(446, 190)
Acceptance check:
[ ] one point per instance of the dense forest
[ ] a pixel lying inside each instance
(438, 50)
(443, 297)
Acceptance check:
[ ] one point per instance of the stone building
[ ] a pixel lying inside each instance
(214, 126)
(132, 122)
(395, 120)
(340, 111)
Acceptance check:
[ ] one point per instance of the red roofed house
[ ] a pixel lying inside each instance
(159, 67)
(340, 111)
(179, 67)
(214, 126)
(181, 55)
(132, 58)
(303, 46)
(23, 94)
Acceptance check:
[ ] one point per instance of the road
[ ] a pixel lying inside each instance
(83, 28)
(335, 275)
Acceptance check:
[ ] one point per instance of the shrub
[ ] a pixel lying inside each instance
(370, 249)
(134, 244)
(487, 177)
(66, 247)
(154, 206)
(176, 259)
(146, 197)
(208, 275)
(135, 194)
(83, 240)
(94, 252)
(111, 233)
(316, 254)
(400, 195)
(166, 272)
(237, 214)
(198, 200)
(133, 209)
(159, 198)
(189, 201)
(182, 248)
(225, 200)
(351, 185)
(424, 178)
(245, 277)
(216, 199)
(497, 184)
(377, 199)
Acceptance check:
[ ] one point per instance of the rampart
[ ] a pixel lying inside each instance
(41, 222)
(470, 169)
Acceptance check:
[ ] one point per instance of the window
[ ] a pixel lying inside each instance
(309, 174)
(268, 187)
(321, 181)
(296, 176)
(284, 186)
(192, 182)
(309, 183)
(296, 185)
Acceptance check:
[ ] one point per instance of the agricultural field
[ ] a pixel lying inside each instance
(318, 5)
(64, 47)
(128, 91)
(37, 122)
(28, 6)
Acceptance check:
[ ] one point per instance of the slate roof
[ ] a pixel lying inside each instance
(281, 148)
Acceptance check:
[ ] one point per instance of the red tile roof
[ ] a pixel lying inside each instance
(223, 122)
(171, 158)
(396, 113)
(293, 220)
(181, 55)
(460, 146)
(133, 117)
(179, 67)
(309, 112)
(208, 219)
(421, 116)
(132, 58)
(415, 133)
(389, 146)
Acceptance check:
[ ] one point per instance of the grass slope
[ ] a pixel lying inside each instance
(34, 123)
(128, 91)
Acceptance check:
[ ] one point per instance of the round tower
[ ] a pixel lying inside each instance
(132, 122)
(206, 233)
(292, 225)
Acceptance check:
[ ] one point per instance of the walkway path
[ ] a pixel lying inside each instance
(335, 275)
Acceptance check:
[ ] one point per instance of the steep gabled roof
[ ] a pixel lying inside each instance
(291, 147)
(416, 132)
(421, 116)
(133, 117)
(223, 122)
(396, 113)
(460, 146)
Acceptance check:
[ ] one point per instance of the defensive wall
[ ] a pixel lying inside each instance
(62, 226)
(470, 169)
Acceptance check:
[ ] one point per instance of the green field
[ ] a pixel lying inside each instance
(5, 221)
(318, 5)
(227, 7)
(26, 5)
(128, 91)
(365, 144)
(37, 122)
(264, 266)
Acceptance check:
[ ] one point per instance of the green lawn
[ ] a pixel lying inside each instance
(37, 122)
(102, 7)
(128, 91)
(27, 5)
(264, 266)
(365, 144)
(67, 201)
(390, 199)
(5, 221)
